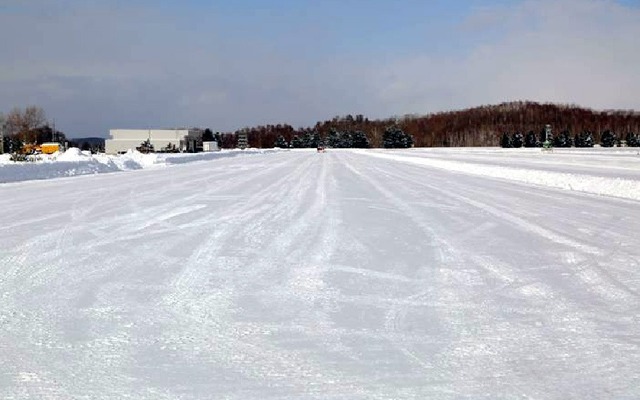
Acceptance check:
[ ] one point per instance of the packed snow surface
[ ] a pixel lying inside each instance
(412, 274)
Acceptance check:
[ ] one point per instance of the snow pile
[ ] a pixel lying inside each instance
(5, 159)
(131, 160)
(76, 162)
(616, 187)
(73, 154)
(72, 162)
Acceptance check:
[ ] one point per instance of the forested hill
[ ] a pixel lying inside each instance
(478, 126)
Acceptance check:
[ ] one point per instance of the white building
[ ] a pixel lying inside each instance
(210, 146)
(188, 140)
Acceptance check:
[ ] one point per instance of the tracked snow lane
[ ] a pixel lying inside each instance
(303, 275)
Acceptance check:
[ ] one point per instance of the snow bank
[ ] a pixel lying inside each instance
(76, 162)
(24, 171)
(616, 187)
(177, 158)
(5, 159)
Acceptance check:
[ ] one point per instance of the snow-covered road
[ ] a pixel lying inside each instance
(297, 275)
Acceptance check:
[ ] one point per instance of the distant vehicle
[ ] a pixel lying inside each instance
(49, 148)
(30, 148)
(320, 149)
(44, 148)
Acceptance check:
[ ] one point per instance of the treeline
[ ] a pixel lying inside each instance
(565, 139)
(478, 126)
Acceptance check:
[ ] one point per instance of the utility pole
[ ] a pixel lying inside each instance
(1, 137)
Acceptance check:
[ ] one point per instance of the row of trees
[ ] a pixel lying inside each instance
(335, 139)
(392, 138)
(478, 126)
(566, 139)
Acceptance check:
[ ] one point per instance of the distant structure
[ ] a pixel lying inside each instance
(210, 146)
(547, 145)
(547, 133)
(184, 140)
(243, 140)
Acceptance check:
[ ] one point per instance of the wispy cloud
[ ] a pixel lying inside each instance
(569, 51)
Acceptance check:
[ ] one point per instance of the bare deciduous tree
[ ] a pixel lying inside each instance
(23, 122)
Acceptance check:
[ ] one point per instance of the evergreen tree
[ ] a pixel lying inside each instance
(585, 139)
(296, 143)
(588, 140)
(281, 142)
(563, 139)
(360, 140)
(333, 139)
(530, 140)
(316, 140)
(577, 140)
(387, 139)
(408, 140)
(346, 140)
(12, 144)
(145, 147)
(633, 140)
(543, 137)
(395, 138)
(608, 139)
(311, 139)
(169, 148)
(517, 140)
(307, 139)
(505, 142)
(567, 134)
(207, 135)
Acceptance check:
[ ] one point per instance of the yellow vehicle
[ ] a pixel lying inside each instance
(44, 148)
(30, 148)
(49, 148)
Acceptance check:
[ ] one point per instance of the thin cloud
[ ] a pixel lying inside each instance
(568, 51)
(93, 68)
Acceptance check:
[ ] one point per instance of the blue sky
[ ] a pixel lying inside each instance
(95, 65)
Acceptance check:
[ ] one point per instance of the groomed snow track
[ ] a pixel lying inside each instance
(297, 275)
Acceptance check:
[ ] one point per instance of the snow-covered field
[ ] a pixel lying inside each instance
(409, 274)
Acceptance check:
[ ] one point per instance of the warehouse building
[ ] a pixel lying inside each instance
(184, 140)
